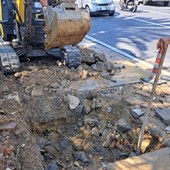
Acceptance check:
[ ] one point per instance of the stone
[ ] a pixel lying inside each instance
(36, 92)
(100, 57)
(76, 163)
(118, 66)
(80, 155)
(8, 168)
(145, 144)
(107, 141)
(136, 113)
(133, 100)
(91, 120)
(109, 110)
(143, 93)
(156, 131)
(52, 166)
(4, 89)
(122, 126)
(84, 74)
(41, 142)
(55, 85)
(4, 119)
(8, 126)
(95, 132)
(88, 59)
(73, 101)
(86, 106)
(79, 109)
(13, 96)
(163, 114)
(167, 129)
(166, 142)
(64, 143)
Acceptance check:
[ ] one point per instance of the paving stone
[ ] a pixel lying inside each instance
(136, 113)
(163, 114)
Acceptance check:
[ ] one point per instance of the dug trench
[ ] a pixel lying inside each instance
(48, 122)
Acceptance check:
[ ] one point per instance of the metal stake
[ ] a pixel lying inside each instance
(150, 101)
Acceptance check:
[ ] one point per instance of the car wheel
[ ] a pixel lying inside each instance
(166, 3)
(111, 13)
(88, 9)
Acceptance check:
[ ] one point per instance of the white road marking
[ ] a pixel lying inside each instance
(157, 12)
(151, 23)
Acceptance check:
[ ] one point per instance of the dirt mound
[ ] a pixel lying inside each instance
(48, 124)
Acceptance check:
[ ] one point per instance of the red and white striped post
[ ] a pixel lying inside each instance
(155, 67)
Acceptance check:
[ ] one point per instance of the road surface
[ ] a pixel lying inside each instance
(134, 34)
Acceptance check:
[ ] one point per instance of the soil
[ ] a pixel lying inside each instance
(52, 126)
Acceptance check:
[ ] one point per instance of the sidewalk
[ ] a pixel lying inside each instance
(112, 56)
(157, 160)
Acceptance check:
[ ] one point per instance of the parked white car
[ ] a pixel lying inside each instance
(97, 6)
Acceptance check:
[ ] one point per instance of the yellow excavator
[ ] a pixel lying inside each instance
(30, 30)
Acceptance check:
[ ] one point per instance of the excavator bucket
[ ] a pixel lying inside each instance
(65, 25)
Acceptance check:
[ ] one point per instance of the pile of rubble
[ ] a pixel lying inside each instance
(45, 124)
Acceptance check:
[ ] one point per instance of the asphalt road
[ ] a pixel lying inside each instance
(134, 34)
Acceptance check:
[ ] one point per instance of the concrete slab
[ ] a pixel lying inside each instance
(157, 160)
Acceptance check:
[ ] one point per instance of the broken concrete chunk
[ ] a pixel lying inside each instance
(133, 100)
(156, 131)
(88, 59)
(55, 85)
(167, 129)
(101, 57)
(8, 126)
(164, 115)
(4, 89)
(13, 96)
(52, 166)
(79, 109)
(4, 119)
(91, 120)
(166, 142)
(80, 155)
(136, 113)
(122, 126)
(86, 105)
(36, 92)
(74, 101)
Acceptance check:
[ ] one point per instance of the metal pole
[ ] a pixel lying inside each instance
(150, 101)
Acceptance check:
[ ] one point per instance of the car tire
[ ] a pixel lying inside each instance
(166, 3)
(111, 13)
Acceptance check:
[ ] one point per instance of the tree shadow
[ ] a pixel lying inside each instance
(121, 32)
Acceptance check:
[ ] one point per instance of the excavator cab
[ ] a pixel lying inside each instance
(29, 30)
